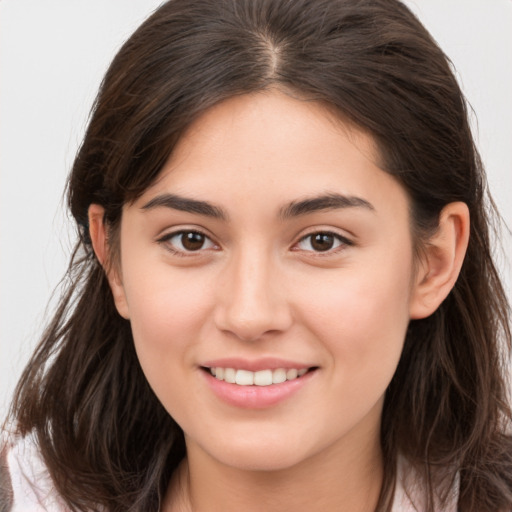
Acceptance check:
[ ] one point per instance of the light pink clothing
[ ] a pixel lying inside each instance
(33, 489)
(409, 493)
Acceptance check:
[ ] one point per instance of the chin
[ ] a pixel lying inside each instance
(259, 455)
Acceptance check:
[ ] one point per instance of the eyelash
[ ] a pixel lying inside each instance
(183, 252)
(166, 239)
(343, 243)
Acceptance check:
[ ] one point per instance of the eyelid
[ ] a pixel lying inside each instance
(177, 228)
(165, 238)
(344, 241)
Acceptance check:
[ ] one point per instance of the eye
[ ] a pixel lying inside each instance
(322, 241)
(187, 241)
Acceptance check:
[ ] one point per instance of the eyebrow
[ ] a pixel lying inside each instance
(185, 204)
(324, 202)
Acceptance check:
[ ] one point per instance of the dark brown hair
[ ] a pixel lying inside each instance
(104, 436)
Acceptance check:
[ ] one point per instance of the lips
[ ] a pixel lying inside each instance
(256, 384)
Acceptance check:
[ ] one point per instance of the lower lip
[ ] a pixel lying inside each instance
(256, 397)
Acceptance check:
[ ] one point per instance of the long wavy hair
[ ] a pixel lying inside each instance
(103, 434)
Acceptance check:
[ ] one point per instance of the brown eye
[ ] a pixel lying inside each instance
(192, 241)
(186, 242)
(322, 242)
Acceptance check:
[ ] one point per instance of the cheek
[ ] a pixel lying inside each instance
(167, 314)
(362, 318)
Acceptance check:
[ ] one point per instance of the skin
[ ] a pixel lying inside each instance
(258, 288)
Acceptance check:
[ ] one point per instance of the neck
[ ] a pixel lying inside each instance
(350, 481)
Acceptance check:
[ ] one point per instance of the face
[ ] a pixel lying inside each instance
(271, 248)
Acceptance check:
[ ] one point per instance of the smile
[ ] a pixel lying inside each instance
(258, 389)
(259, 378)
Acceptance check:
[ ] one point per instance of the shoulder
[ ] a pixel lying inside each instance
(25, 483)
(410, 491)
(6, 497)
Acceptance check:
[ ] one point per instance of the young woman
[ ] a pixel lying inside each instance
(283, 294)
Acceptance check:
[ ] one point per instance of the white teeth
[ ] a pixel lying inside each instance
(263, 378)
(244, 378)
(291, 374)
(278, 376)
(260, 378)
(229, 375)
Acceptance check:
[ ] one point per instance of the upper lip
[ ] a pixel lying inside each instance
(255, 365)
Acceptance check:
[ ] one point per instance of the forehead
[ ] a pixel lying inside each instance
(273, 145)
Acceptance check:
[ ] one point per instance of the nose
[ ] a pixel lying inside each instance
(252, 301)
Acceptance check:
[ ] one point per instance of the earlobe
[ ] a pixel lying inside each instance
(442, 260)
(100, 246)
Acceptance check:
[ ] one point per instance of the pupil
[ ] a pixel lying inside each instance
(192, 241)
(322, 242)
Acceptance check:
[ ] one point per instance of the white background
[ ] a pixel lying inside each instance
(53, 55)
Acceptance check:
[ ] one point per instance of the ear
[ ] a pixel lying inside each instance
(441, 261)
(101, 248)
